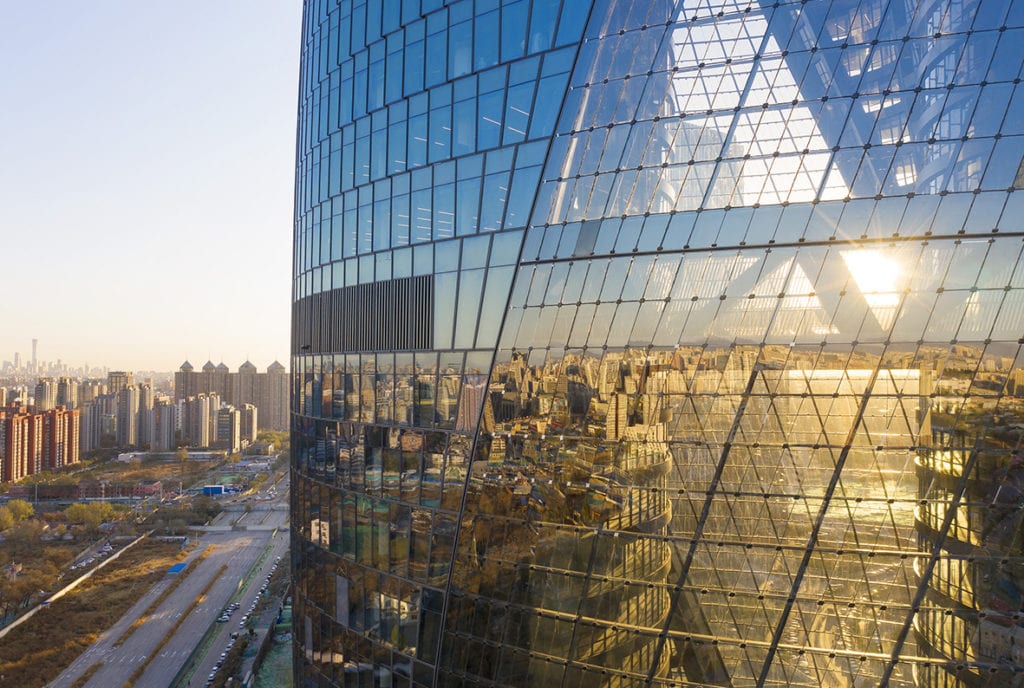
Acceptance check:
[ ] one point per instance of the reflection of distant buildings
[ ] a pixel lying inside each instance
(976, 586)
(641, 346)
(588, 449)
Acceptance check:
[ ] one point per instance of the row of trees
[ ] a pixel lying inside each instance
(27, 568)
(14, 512)
(90, 514)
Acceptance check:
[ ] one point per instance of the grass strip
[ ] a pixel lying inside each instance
(139, 670)
(188, 666)
(84, 678)
(144, 617)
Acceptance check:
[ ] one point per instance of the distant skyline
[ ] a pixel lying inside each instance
(147, 181)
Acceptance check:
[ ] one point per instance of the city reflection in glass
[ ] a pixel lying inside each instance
(659, 343)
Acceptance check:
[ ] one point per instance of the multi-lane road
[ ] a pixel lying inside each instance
(181, 640)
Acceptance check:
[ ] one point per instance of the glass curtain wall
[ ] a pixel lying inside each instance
(659, 343)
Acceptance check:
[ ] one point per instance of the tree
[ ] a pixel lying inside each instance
(91, 514)
(6, 518)
(23, 538)
(20, 509)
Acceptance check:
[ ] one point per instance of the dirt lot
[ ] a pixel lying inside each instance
(38, 650)
(148, 471)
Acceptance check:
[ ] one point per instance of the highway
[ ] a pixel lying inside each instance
(238, 557)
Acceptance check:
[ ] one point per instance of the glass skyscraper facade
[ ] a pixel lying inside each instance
(659, 343)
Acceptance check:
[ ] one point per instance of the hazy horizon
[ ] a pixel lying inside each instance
(148, 182)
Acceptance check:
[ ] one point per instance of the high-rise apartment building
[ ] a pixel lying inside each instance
(165, 436)
(249, 423)
(46, 394)
(61, 438)
(99, 418)
(267, 391)
(146, 419)
(14, 444)
(127, 416)
(67, 392)
(118, 380)
(659, 343)
(196, 420)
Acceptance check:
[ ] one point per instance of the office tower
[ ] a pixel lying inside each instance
(3, 397)
(35, 359)
(17, 361)
(742, 278)
(46, 394)
(229, 434)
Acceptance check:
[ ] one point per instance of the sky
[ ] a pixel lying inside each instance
(147, 156)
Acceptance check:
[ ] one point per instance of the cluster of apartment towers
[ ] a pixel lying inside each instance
(211, 408)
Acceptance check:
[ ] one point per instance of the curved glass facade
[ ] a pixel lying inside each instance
(659, 343)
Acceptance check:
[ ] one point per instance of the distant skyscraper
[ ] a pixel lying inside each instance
(35, 359)
(743, 281)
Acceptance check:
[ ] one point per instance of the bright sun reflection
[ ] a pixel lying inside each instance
(876, 275)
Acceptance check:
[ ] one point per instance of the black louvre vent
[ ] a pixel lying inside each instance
(395, 315)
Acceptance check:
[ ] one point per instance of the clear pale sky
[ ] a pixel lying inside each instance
(147, 155)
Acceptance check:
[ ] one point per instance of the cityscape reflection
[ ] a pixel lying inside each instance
(659, 343)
